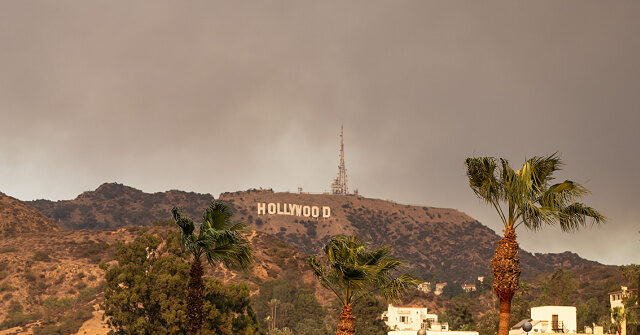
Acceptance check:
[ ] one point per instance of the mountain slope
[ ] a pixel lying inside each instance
(437, 243)
(18, 217)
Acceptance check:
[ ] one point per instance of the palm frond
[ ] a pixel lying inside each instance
(355, 270)
(578, 215)
(396, 287)
(218, 239)
(526, 194)
(481, 172)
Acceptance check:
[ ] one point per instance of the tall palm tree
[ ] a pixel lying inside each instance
(220, 241)
(524, 197)
(351, 271)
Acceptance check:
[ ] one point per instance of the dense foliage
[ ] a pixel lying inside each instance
(146, 292)
(289, 304)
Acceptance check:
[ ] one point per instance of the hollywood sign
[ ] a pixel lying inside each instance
(293, 209)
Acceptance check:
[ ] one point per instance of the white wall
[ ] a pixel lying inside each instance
(566, 315)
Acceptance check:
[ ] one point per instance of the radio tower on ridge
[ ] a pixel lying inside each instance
(340, 184)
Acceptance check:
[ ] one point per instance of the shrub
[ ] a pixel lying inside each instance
(30, 277)
(8, 249)
(6, 287)
(16, 318)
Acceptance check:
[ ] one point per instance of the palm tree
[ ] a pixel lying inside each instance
(219, 241)
(619, 317)
(524, 197)
(351, 271)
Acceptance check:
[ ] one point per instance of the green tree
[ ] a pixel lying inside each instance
(146, 290)
(592, 312)
(219, 241)
(282, 331)
(488, 323)
(369, 309)
(618, 316)
(459, 317)
(296, 308)
(521, 304)
(632, 302)
(524, 197)
(352, 271)
(557, 289)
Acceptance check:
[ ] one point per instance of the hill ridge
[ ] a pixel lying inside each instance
(438, 243)
(19, 217)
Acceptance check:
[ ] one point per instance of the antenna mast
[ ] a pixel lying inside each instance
(340, 184)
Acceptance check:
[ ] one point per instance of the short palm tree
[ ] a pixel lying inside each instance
(217, 239)
(351, 271)
(619, 317)
(524, 197)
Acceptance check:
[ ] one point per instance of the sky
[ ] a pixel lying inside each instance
(211, 96)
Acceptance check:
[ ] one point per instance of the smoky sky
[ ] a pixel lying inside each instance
(211, 97)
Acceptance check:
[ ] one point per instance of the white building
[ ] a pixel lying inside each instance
(439, 288)
(425, 287)
(407, 320)
(408, 317)
(468, 287)
(550, 319)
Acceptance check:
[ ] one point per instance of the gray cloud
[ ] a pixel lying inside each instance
(220, 96)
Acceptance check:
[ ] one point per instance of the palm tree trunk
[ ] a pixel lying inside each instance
(346, 323)
(506, 272)
(194, 298)
(505, 316)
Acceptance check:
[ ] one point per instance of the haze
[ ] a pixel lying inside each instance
(222, 96)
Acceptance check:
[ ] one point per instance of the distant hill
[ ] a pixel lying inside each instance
(438, 243)
(18, 217)
(114, 205)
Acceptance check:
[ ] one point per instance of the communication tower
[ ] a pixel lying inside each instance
(340, 184)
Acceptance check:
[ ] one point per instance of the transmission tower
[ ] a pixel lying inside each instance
(340, 184)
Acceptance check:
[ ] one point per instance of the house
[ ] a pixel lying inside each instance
(469, 287)
(425, 287)
(408, 317)
(550, 320)
(616, 299)
(439, 288)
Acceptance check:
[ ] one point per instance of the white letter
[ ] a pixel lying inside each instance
(298, 209)
(315, 211)
(326, 211)
(262, 208)
(271, 208)
(306, 211)
(279, 211)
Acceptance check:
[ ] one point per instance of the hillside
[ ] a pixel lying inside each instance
(438, 243)
(114, 205)
(17, 217)
(56, 274)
